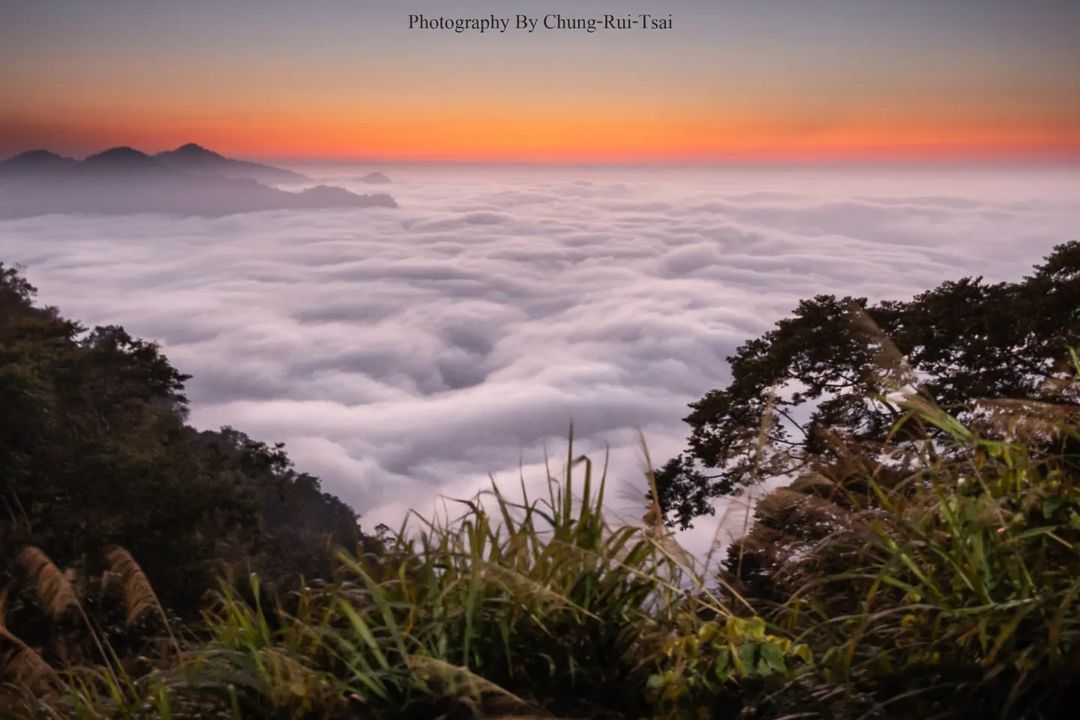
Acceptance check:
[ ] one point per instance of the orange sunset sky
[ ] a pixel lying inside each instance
(733, 81)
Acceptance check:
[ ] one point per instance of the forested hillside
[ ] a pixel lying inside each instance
(95, 451)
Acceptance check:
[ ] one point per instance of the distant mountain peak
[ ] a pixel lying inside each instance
(37, 161)
(121, 158)
(37, 154)
(194, 150)
(192, 157)
(117, 152)
(188, 158)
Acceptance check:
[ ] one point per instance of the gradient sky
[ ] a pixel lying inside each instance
(736, 80)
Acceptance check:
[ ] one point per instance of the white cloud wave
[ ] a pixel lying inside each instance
(406, 353)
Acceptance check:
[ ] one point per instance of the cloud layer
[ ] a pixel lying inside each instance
(406, 353)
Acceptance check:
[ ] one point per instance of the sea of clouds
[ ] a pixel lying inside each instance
(407, 354)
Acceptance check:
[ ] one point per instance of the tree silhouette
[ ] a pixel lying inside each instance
(95, 451)
(826, 373)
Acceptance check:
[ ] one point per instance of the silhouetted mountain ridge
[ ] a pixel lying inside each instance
(192, 158)
(195, 158)
(122, 159)
(38, 161)
(190, 180)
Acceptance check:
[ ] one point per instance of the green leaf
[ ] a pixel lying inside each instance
(723, 665)
(747, 658)
(772, 657)
(1051, 505)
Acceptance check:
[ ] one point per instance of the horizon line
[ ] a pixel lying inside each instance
(1064, 158)
(869, 162)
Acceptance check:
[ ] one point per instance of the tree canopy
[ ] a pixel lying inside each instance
(95, 450)
(825, 375)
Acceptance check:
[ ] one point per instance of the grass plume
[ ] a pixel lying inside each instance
(54, 591)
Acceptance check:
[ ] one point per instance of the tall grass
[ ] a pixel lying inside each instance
(947, 590)
(514, 605)
(963, 600)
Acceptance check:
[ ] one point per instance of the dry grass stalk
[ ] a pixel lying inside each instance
(1027, 420)
(139, 595)
(53, 589)
(653, 520)
(19, 664)
(654, 515)
(894, 372)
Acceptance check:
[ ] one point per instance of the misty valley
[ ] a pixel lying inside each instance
(321, 361)
(705, 360)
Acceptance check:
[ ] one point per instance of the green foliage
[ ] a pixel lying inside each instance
(824, 372)
(512, 605)
(94, 451)
(528, 606)
(534, 596)
(707, 667)
(967, 585)
(949, 592)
